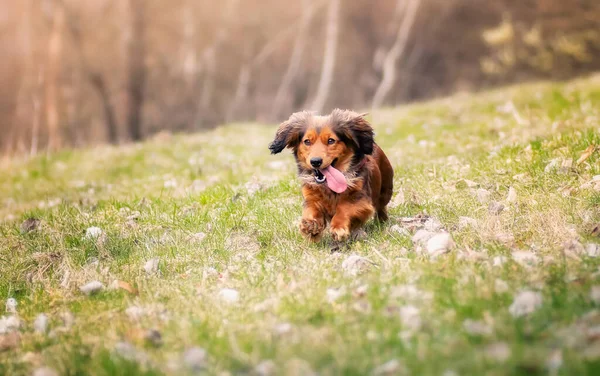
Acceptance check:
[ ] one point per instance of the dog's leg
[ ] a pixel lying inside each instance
(312, 224)
(348, 217)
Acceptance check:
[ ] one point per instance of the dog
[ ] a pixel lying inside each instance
(346, 177)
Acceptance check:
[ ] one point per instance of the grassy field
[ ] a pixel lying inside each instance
(195, 241)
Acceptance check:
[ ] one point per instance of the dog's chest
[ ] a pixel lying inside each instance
(329, 201)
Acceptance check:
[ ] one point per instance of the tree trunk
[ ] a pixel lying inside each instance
(329, 57)
(395, 53)
(209, 60)
(96, 80)
(55, 46)
(241, 93)
(110, 118)
(136, 69)
(291, 73)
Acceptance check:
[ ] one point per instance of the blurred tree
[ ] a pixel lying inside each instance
(78, 72)
(95, 77)
(284, 91)
(408, 9)
(329, 56)
(53, 94)
(136, 68)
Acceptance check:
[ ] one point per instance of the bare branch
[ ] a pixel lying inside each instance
(395, 53)
(329, 57)
(295, 60)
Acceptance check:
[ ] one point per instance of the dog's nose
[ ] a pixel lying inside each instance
(316, 162)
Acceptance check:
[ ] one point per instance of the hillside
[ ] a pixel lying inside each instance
(195, 240)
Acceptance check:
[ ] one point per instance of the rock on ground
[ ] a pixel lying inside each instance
(92, 287)
(525, 303)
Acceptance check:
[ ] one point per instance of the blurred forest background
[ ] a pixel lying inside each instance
(80, 72)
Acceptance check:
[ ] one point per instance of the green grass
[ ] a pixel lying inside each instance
(150, 199)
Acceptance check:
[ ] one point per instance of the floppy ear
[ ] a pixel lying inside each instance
(355, 129)
(290, 132)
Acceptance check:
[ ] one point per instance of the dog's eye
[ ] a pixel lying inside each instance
(331, 141)
(307, 142)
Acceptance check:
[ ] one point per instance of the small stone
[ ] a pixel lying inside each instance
(500, 286)
(398, 199)
(525, 258)
(11, 305)
(360, 291)
(126, 351)
(391, 367)
(45, 371)
(359, 235)
(334, 294)
(466, 183)
(499, 260)
(522, 178)
(92, 288)
(495, 208)
(195, 359)
(477, 328)
(595, 294)
(30, 224)
(449, 372)
(432, 224)
(9, 324)
(464, 222)
(422, 236)
(410, 317)
(409, 293)
(197, 237)
(512, 195)
(265, 368)
(439, 244)
(552, 165)
(40, 324)
(151, 266)
(399, 230)
(170, 183)
(283, 328)
(229, 295)
(355, 264)
(9, 341)
(592, 250)
(153, 337)
(566, 166)
(525, 303)
(252, 187)
(573, 246)
(93, 233)
(483, 195)
(67, 318)
(498, 351)
(135, 312)
(554, 361)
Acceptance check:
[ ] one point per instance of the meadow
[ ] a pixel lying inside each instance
(182, 255)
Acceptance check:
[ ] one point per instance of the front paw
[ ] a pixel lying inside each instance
(312, 228)
(340, 234)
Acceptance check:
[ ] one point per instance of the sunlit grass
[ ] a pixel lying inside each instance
(219, 212)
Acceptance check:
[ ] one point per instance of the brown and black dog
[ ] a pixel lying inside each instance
(346, 177)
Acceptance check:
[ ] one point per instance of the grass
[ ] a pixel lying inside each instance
(298, 310)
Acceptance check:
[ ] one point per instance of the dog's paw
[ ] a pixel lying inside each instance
(312, 228)
(340, 234)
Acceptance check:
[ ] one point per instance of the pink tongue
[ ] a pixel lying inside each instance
(335, 179)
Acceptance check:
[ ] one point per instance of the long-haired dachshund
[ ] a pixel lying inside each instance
(346, 177)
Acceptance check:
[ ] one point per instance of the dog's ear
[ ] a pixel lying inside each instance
(354, 128)
(290, 132)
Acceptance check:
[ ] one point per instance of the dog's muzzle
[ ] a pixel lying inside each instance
(319, 177)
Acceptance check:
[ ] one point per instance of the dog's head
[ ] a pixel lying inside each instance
(321, 141)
